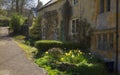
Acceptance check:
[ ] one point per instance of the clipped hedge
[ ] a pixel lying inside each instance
(4, 22)
(44, 45)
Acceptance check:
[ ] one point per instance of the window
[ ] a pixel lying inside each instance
(111, 37)
(99, 42)
(43, 33)
(105, 4)
(75, 2)
(108, 5)
(105, 42)
(101, 6)
(105, 45)
(55, 34)
(74, 25)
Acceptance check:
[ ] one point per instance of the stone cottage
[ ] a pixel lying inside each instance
(104, 36)
(99, 13)
(53, 20)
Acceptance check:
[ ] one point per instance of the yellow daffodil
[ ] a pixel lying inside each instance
(62, 59)
(46, 52)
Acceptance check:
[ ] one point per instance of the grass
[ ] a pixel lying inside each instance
(29, 50)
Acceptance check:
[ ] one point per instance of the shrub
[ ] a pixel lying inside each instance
(70, 65)
(35, 30)
(55, 53)
(4, 22)
(16, 22)
(44, 45)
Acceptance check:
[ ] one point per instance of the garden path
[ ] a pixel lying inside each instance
(13, 60)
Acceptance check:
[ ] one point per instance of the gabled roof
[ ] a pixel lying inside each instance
(48, 3)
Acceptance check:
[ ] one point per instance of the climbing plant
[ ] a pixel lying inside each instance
(84, 31)
(66, 12)
(50, 22)
(35, 30)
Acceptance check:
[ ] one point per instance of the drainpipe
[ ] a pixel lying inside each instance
(117, 38)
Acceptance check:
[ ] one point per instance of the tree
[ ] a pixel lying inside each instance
(16, 22)
(17, 5)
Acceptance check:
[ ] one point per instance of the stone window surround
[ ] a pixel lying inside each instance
(105, 41)
(73, 30)
(105, 6)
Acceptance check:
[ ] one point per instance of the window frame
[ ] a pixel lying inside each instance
(108, 5)
(105, 41)
(74, 25)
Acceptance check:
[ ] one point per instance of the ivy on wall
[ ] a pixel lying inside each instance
(84, 31)
(50, 23)
(66, 12)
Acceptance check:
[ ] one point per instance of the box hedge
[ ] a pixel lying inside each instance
(44, 45)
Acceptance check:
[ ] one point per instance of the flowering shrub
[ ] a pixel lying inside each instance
(73, 56)
(55, 53)
(73, 62)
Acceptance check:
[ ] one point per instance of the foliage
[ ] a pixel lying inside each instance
(16, 23)
(73, 62)
(65, 9)
(66, 18)
(3, 12)
(30, 51)
(44, 45)
(55, 53)
(84, 30)
(35, 30)
(17, 6)
(50, 23)
(4, 22)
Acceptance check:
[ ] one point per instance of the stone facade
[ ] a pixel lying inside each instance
(99, 13)
(104, 37)
(79, 10)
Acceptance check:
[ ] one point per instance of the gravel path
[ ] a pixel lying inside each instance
(13, 60)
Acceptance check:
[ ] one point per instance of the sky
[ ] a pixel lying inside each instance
(44, 1)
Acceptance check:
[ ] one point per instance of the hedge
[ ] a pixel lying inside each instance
(44, 45)
(4, 22)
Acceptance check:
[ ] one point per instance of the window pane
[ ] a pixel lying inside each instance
(111, 37)
(99, 42)
(105, 42)
(73, 26)
(77, 23)
(75, 2)
(108, 5)
(101, 6)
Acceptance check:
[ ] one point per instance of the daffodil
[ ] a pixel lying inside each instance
(73, 56)
(62, 59)
(46, 52)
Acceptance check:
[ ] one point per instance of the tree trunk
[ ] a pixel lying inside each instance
(22, 6)
(17, 6)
